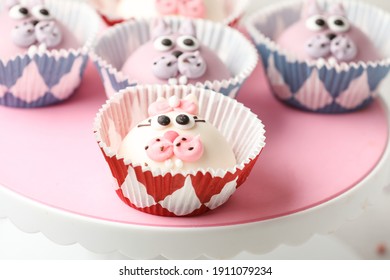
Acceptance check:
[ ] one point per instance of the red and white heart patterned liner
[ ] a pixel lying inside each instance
(168, 193)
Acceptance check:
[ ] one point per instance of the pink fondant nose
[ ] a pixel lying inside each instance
(171, 135)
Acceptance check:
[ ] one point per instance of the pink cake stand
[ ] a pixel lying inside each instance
(316, 172)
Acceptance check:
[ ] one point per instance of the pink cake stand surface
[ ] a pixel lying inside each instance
(54, 179)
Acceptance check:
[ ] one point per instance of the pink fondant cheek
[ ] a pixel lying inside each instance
(318, 46)
(343, 48)
(165, 67)
(188, 148)
(159, 149)
(192, 65)
(48, 33)
(23, 34)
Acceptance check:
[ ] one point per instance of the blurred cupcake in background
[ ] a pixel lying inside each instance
(175, 51)
(44, 50)
(225, 11)
(323, 56)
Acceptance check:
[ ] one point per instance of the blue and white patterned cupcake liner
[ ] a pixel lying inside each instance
(117, 43)
(44, 78)
(321, 86)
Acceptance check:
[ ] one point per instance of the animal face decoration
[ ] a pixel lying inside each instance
(331, 33)
(34, 24)
(174, 57)
(174, 137)
(180, 52)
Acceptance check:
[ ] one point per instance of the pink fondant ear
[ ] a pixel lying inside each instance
(160, 28)
(310, 8)
(337, 10)
(187, 28)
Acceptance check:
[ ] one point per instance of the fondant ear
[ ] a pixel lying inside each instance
(310, 8)
(337, 9)
(187, 28)
(159, 28)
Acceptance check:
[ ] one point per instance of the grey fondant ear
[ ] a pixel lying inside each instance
(337, 9)
(160, 28)
(188, 28)
(310, 8)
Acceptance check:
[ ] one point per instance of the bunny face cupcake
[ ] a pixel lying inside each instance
(175, 58)
(44, 50)
(174, 51)
(30, 23)
(176, 150)
(323, 56)
(327, 34)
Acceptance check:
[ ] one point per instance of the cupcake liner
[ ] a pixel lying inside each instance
(228, 12)
(321, 86)
(174, 193)
(115, 46)
(43, 78)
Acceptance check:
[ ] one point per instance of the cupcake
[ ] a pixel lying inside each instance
(225, 11)
(174, 51)
(323, 56)
(44, 50)
(177, 150)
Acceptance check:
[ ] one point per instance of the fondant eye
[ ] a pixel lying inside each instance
(19, 12)
(338, 24)
(163, 43)
(188, 43)
(41, 13)
(316, 23)
(160, 122)
(183, 121)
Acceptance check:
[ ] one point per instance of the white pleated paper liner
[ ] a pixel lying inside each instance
(318, 86)
(173, 193)
(45, 78)
(228, 12)
(114, 47)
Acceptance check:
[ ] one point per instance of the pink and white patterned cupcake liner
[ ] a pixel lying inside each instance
(168, 193)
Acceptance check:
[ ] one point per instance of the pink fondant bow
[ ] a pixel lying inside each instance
(162, 106)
